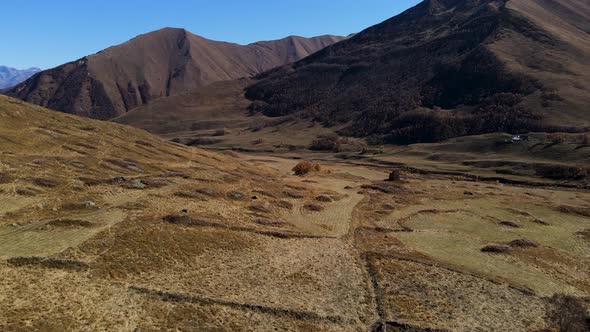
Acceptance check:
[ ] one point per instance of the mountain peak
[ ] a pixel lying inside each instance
(169, 61)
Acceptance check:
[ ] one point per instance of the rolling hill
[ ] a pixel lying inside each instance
(163, 63)
(10, 77)
(445, 68)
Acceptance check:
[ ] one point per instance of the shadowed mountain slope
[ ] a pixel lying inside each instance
(162, 63)
(445, 68)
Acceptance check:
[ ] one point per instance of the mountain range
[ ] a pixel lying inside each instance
(10, 77)
(162, 63)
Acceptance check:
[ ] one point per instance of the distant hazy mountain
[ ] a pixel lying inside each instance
(10, 77)
(162, 63)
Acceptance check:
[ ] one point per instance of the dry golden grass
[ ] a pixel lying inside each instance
(142, 233)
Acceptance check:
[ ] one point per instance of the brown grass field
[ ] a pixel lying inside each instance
(106, 227)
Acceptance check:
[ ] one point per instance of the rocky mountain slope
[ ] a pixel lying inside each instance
(10, 77)
(446, 68)
(158, 64)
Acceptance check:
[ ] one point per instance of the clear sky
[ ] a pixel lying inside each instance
(47, 33)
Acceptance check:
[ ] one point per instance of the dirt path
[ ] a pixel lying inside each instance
(338, 218)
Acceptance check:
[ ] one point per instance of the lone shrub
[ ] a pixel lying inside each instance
(557, 138)
(509, 224)
(326, 143)
(5, 178)
(48, 183)
(323, 198)
(567, 313)
(284, 205)
(523, 243)
(395, 175)
(496, 248)
(313, 207)
(219, 132)
(306, 167)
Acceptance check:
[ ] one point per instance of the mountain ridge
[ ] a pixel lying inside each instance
(166, 62)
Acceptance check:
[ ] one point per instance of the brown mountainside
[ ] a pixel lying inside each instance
(446, 68)
(158, 64)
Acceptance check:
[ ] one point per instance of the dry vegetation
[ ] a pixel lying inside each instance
(159, 236)
(567, 313)
(306, 167)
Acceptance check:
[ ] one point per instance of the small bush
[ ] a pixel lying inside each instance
(72, 206)
(70, 223)
(48, 263)
(5, 178)
(219, 132)
(567, 313)
(257, 127)
(558, 138)
(581, 211)
(187, 220)
(292, 194)
(236, 196)
(48, 183)
(326, 143)
(306, 167)
(259, 208)
(208, 192)
(548, 96)
(584, 234)
(26, 192)
(508, 223)
(395, 175)
(270, 222)
(541, 222)
(284, 205)
(144, 143)
(523, 243)
(313, 207)
(323, 198)
(93, 181)
(496, 248)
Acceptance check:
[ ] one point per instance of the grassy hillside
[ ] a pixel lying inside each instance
(443, 69)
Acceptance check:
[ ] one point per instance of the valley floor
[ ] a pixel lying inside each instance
(338, 250)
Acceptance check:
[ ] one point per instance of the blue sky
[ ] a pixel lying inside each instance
(47, 33)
